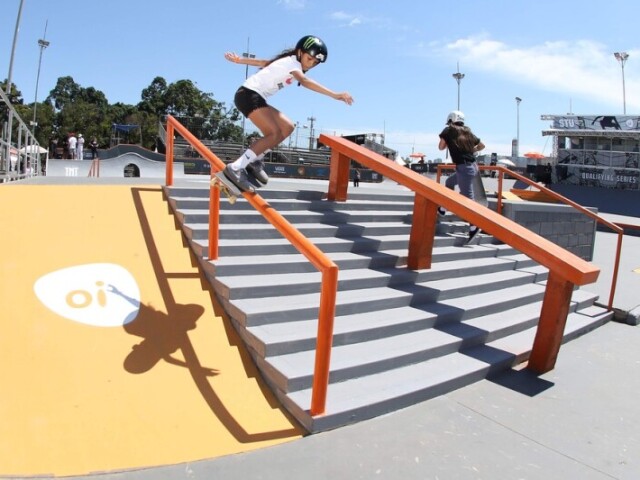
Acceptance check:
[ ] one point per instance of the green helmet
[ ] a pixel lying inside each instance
(314, 47)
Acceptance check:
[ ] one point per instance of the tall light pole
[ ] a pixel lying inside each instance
(246, 75)
(518, 100)
(297, 129)
(43, 45)
(311, 132)
(622, 58)
(13, 48)
(458, 76)
(9, 126)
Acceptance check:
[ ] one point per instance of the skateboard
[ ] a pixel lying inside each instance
(480, 196)
(479, 193)
(226, 186)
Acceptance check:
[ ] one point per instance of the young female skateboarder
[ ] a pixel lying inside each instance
(251, 99)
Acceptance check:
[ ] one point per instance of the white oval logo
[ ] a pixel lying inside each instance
(98, 294)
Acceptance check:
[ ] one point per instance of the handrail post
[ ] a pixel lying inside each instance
(423, 232)
(553, 318)
(214, 221)
(169, 153)
(324, 340)
(500, 178)
(338, 176)
(616, 266)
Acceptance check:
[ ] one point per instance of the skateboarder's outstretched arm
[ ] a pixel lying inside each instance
(254, 62)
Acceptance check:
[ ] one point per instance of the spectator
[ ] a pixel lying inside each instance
(53, 146)
(356, 177)
(80, 147)
(94, 148)
(72, 142)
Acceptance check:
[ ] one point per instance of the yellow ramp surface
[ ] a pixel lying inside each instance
(115, 352)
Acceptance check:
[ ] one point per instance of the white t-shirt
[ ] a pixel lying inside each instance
(273, 77)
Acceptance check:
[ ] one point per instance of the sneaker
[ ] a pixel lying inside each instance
(239, 179)
(256, 169)
(473, 233)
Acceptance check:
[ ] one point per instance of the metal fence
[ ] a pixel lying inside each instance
(21, 156)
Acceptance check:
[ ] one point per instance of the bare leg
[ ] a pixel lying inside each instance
(273, 124)
(275, 127)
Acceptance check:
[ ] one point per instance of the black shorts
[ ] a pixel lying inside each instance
(247, 101)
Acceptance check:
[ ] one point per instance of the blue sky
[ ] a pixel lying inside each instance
(395, 58)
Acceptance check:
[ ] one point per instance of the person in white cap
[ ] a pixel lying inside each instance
(80, 147)
(72, 141)
(463, 145)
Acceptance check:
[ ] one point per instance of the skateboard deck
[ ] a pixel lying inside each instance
(479, 193)
(226, 186)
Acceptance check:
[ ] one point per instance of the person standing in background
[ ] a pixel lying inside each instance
(94, 148)
(80, 147)
(71, 144)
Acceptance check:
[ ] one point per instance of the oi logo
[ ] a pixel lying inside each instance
(98, 294)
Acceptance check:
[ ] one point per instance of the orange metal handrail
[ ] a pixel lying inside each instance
(565, 268)
(617, 228)
(328, 269)
(94, 170)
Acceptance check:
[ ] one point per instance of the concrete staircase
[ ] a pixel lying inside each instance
(400, 336)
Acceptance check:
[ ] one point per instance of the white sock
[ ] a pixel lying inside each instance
(245, 159)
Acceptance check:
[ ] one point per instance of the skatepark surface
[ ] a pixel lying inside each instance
(118, 403)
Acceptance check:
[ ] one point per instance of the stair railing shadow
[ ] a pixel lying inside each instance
(164, 334)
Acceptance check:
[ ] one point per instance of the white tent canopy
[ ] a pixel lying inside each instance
(505, 163)
(33, 149)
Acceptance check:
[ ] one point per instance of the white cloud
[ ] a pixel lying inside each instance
(583, 68)
(292, 4)
(346, 19)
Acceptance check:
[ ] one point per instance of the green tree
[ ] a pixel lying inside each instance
(44, 113)
(70, 107)
(45, 119)
(184, 99)
(64, 93)
(153, 98)
(15, 96)
(198, 111)
(81, 110)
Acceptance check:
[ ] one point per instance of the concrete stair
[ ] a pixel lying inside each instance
(400, 336)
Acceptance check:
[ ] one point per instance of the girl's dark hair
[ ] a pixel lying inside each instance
(284, 53)
(463, 138)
